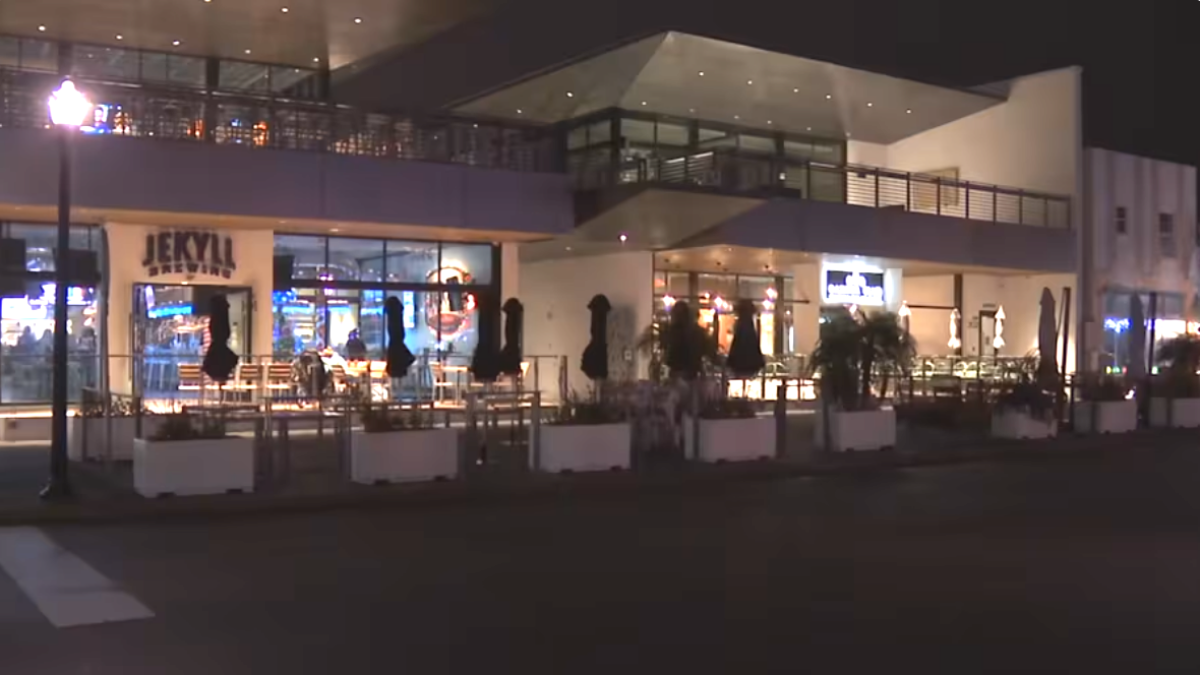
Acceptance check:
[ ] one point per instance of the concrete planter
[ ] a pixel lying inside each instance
(25, 429)
(1106, 417)
(1020, 425)
(403, 456)
(1175, 412)
(584, 447)
(198, 467)
(95, 430)
(731, 440)
(855, 431)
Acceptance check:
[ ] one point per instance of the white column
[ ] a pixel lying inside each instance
(893, 289)
(510, 264)
(806, 317)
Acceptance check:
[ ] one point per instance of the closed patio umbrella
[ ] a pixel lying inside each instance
(219, 360)
(399, 357)
(1135, 361)
(745, 352)
(683, 344)
(485, 364)
(514, 318)
(1047, 342)
(594, 363)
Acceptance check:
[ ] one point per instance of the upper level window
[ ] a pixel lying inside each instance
(1120, 221)
(29, 54)
(1166, 235)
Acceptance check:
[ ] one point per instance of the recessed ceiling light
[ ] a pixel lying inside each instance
(120, 37)
(808, 129)
(828, 97)
(870, 105)
(358, 19)
(175, 42)
(624, 237)
(247, 51)
(847, 134)
(749, 82)
(643, 103)
(908, 112)
(519, 111)
(570, 94)
(737, 117)
(334, 229)
(701, 73)
(795, 90)
(42, 29)
(568, 248)
(284, 10)
(770, 122)
(316, 59)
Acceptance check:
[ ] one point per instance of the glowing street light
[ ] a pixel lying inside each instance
(68, 110)
(68, 106)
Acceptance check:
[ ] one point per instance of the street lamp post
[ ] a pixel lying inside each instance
(68, 109)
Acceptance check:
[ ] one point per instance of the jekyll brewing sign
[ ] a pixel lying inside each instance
(189, 252)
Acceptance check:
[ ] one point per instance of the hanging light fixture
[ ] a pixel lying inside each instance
(955, 317)
(998, 342)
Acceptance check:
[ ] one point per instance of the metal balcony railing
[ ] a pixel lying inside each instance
(851, 184)
(260, 122)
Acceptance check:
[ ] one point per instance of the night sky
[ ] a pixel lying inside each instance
(1139, 58)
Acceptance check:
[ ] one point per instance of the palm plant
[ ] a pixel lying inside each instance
(853, 355)
(1182, 358)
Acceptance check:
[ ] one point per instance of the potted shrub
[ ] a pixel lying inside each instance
(401, 446)
(854, 358)
(192, 456)
(1024, 411)
(1104, 407)
(1175, 400)
(582, 436)
(729, 431)
(96, 433)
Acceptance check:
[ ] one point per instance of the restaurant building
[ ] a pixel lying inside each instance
(668, 168)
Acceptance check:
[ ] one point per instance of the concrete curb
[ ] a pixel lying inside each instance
(542, 488)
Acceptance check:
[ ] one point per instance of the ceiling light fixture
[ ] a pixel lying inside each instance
(795, 90)
(828, 97)
(643, 103)
(624, 237)
(175, 42)
(519, 111)
(908, 112)
(692, 110)
(284, 10)
(808, 129)
(749, 82)
(737, 117)
(316, 59)
(358, 19)
(701, 73)
(42, 29)
(770, 122)
(870, 105)
(570, 94)
(247, 52)
(120, 37)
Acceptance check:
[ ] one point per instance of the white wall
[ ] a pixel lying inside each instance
(806, 318)
(1020, 296)
(1032, 141)
(557, 321)
(930, 327)
(253, 251)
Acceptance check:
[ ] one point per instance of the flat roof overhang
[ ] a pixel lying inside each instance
(739, 85)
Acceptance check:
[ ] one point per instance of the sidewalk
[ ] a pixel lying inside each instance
(105, 494)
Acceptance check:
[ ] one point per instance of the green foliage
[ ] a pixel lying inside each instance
(379, 418)
(653, 343)
(856, 354)
(727, 409)
(1028, 398)
(186, 427)
(92, 405)
(1103, 388)
(1181, 356)
(576, 411)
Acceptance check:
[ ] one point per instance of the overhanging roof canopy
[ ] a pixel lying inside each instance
(690, 76)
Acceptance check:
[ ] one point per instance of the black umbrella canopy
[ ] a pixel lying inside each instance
(399, 356)
(485, 364)
(595, 355)
(514, 319)
(683, 346)
(219, 360)
(745, 352)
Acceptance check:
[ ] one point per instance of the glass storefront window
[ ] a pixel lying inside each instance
(411, 261)
(475, 260)
(638, 132)
(672, 135)
(27, 342)
(241, 76)
(717, 285)
(39, 55)
(355, 259)
(10, 52)
(105, 63)
(307, 254)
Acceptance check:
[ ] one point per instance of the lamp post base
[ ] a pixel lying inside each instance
(56, 491)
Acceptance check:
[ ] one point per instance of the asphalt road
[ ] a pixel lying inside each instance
(1073, 565)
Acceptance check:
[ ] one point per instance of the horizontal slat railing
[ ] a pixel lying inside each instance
(857, 185)
(286, 125)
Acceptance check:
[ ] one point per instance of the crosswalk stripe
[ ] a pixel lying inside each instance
(67, 590)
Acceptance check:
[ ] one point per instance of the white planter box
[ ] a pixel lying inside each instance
(1106, 417)
(200, 467)
(1184, 412)
(1019, 425)
(403, 456)
(26, 429)
(96, 430)
(731, 440)
(585, 447)
(856, 431)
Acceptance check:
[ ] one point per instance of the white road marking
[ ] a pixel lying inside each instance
(67, 590)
